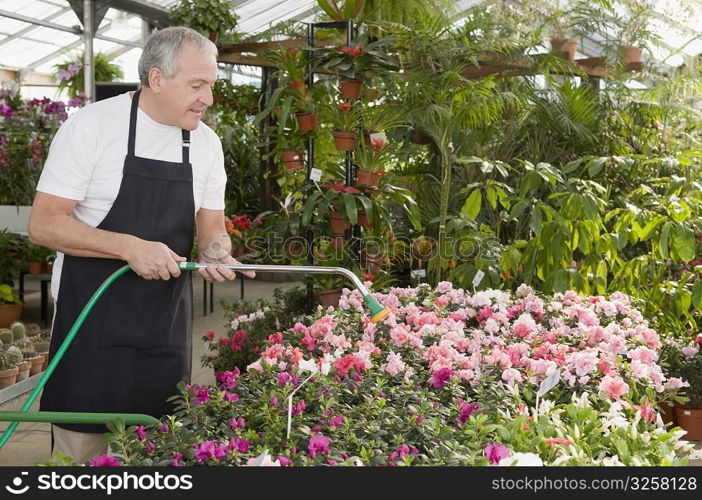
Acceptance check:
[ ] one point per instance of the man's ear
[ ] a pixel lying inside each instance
(155, 80)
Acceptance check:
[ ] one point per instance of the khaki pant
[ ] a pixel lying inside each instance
(82, 446)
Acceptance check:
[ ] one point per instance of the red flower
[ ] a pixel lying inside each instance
(379, 144)
(368, 276)
(345, 107)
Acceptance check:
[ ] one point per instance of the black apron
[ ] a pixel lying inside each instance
(135, 345)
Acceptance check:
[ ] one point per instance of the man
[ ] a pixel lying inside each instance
(130, 179)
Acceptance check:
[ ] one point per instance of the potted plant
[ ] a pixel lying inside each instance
(71, 76)
(210, 17)
(10, 306)
(292, 64)
(35, 256)
(340, 10)
(371, 160)
(685, 361)
(345, 119)
(381, 118)
(8, 370)
(357, 62)
(339, 204)
(306, 116)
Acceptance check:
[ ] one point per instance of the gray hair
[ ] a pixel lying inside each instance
(162, 49)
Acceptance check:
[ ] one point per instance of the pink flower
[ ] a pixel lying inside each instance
(177, 460)
(318, 444)
(209, 449)
(646, 410)
(237, 423)
(104, 460)
(140, 432)
(150, 447)
(495, 452)
(614, 387)
(284, 461)
(267, 462)
(511, 376)
(210, 335)
(465, 411)
(238, 444)
(336, 422)
(164, 429)
(440, 378)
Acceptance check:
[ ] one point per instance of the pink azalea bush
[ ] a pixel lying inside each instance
(447, 378)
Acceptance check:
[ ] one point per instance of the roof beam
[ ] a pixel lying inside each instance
(158, 16)
(31, 20)
(30, 28)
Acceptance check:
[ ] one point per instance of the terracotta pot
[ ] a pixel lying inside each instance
(36, 362)
(366, 137)
(691, 420)
(293, 160)
(368, 179)
(667, 411)
(297, 85)
(631, 54)
(372, 262)
(9, 313)
(330, 297)
(48, 267)
(306, 121)
(337, 222)
(45, 356)
(363, 219)
(35, 267)
(345, 141)
(564, 47)
(23, 370)
(8, 377)
(351, 89)
(295, 249)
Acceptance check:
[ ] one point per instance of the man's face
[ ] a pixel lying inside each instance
(185, 97)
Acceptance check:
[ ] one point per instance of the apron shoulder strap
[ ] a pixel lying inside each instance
(186, 146)
(132, 123)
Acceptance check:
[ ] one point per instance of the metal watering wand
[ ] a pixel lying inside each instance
(377, 312)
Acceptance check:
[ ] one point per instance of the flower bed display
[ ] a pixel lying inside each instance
(448, 378)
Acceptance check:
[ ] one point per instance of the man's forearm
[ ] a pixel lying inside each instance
(68, 235)
(214, 244)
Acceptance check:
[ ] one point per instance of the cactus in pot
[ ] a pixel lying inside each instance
(41, 346)
(18, 331)
(32, 330)
(6, 336)
(13, 355)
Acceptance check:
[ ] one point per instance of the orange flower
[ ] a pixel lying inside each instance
(345, 107)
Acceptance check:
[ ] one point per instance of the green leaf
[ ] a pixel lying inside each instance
(595, 166)
(697, 294)
(663, 242)
(351, 210)
(684, 242)
(491, 194)
(536, 222)
(471, 208)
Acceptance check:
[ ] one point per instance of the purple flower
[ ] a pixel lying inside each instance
(284, 461)
(104, 461)
(318, 444)
(177, 460)
(237, 423)
(441, 378)
(140, 432)
(284, 378)
(299, 407)
(231, 397)
(242, 445)
(228, 379)
(150, 447)
(495, 452)
(64, 75)
(274, 401)
(466, 411)
(336, 422)
(209, 449)
(164, 429)
(75, 67)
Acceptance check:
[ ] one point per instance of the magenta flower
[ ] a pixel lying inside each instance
(177, 460)
(318, 444)
(495, 452)
(274, 401)
(164, 429)
(104, 461)
(465, 411)
(241, 445)
(440, 378)
(299, 407)
(209, 449)
(336, 422)
(140, 432)
(227, 379)
(150, 447)
(237, 423)
(284, 461)
(231, 397)
(284, 378)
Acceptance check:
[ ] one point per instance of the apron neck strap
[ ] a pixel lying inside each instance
(132, 131)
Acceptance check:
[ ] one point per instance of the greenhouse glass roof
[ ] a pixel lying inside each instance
(37, 34)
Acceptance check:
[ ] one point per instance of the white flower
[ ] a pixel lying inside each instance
(307, 365)
(325, 368)
(612, 461)
(521, 459)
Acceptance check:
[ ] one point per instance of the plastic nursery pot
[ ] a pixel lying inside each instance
(369, 179)
(667, 411)
(48, 267)
(9, 313)
(337, 222)
(351, 89)
(306, 121)
(35, 267)
(8, 377)
(372, 262)
(691, 420)
(330, 297)
(564, 47)
(345, 141)
(293, 160)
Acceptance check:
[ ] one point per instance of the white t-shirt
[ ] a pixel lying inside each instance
(86, 159)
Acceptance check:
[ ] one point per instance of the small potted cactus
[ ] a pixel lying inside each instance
(14, 358)
(42, 348)
(8, 371)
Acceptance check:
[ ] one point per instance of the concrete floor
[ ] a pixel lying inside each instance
(31, 442)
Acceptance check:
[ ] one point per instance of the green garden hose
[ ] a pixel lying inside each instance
(377, 312)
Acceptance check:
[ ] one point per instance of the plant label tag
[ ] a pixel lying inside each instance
(259, 461)
(549, 383)
(418, 273)
(478, 278)
(316, 175)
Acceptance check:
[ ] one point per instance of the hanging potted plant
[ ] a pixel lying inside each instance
(291, 64)
(357, 62)
(337, 203)
(345, 119)
(381, 118)
(340, 10)
(71, 76)
(371, 160)
(210, 17)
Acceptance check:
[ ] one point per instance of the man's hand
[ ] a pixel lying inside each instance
(153, 260)
(217, 255)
